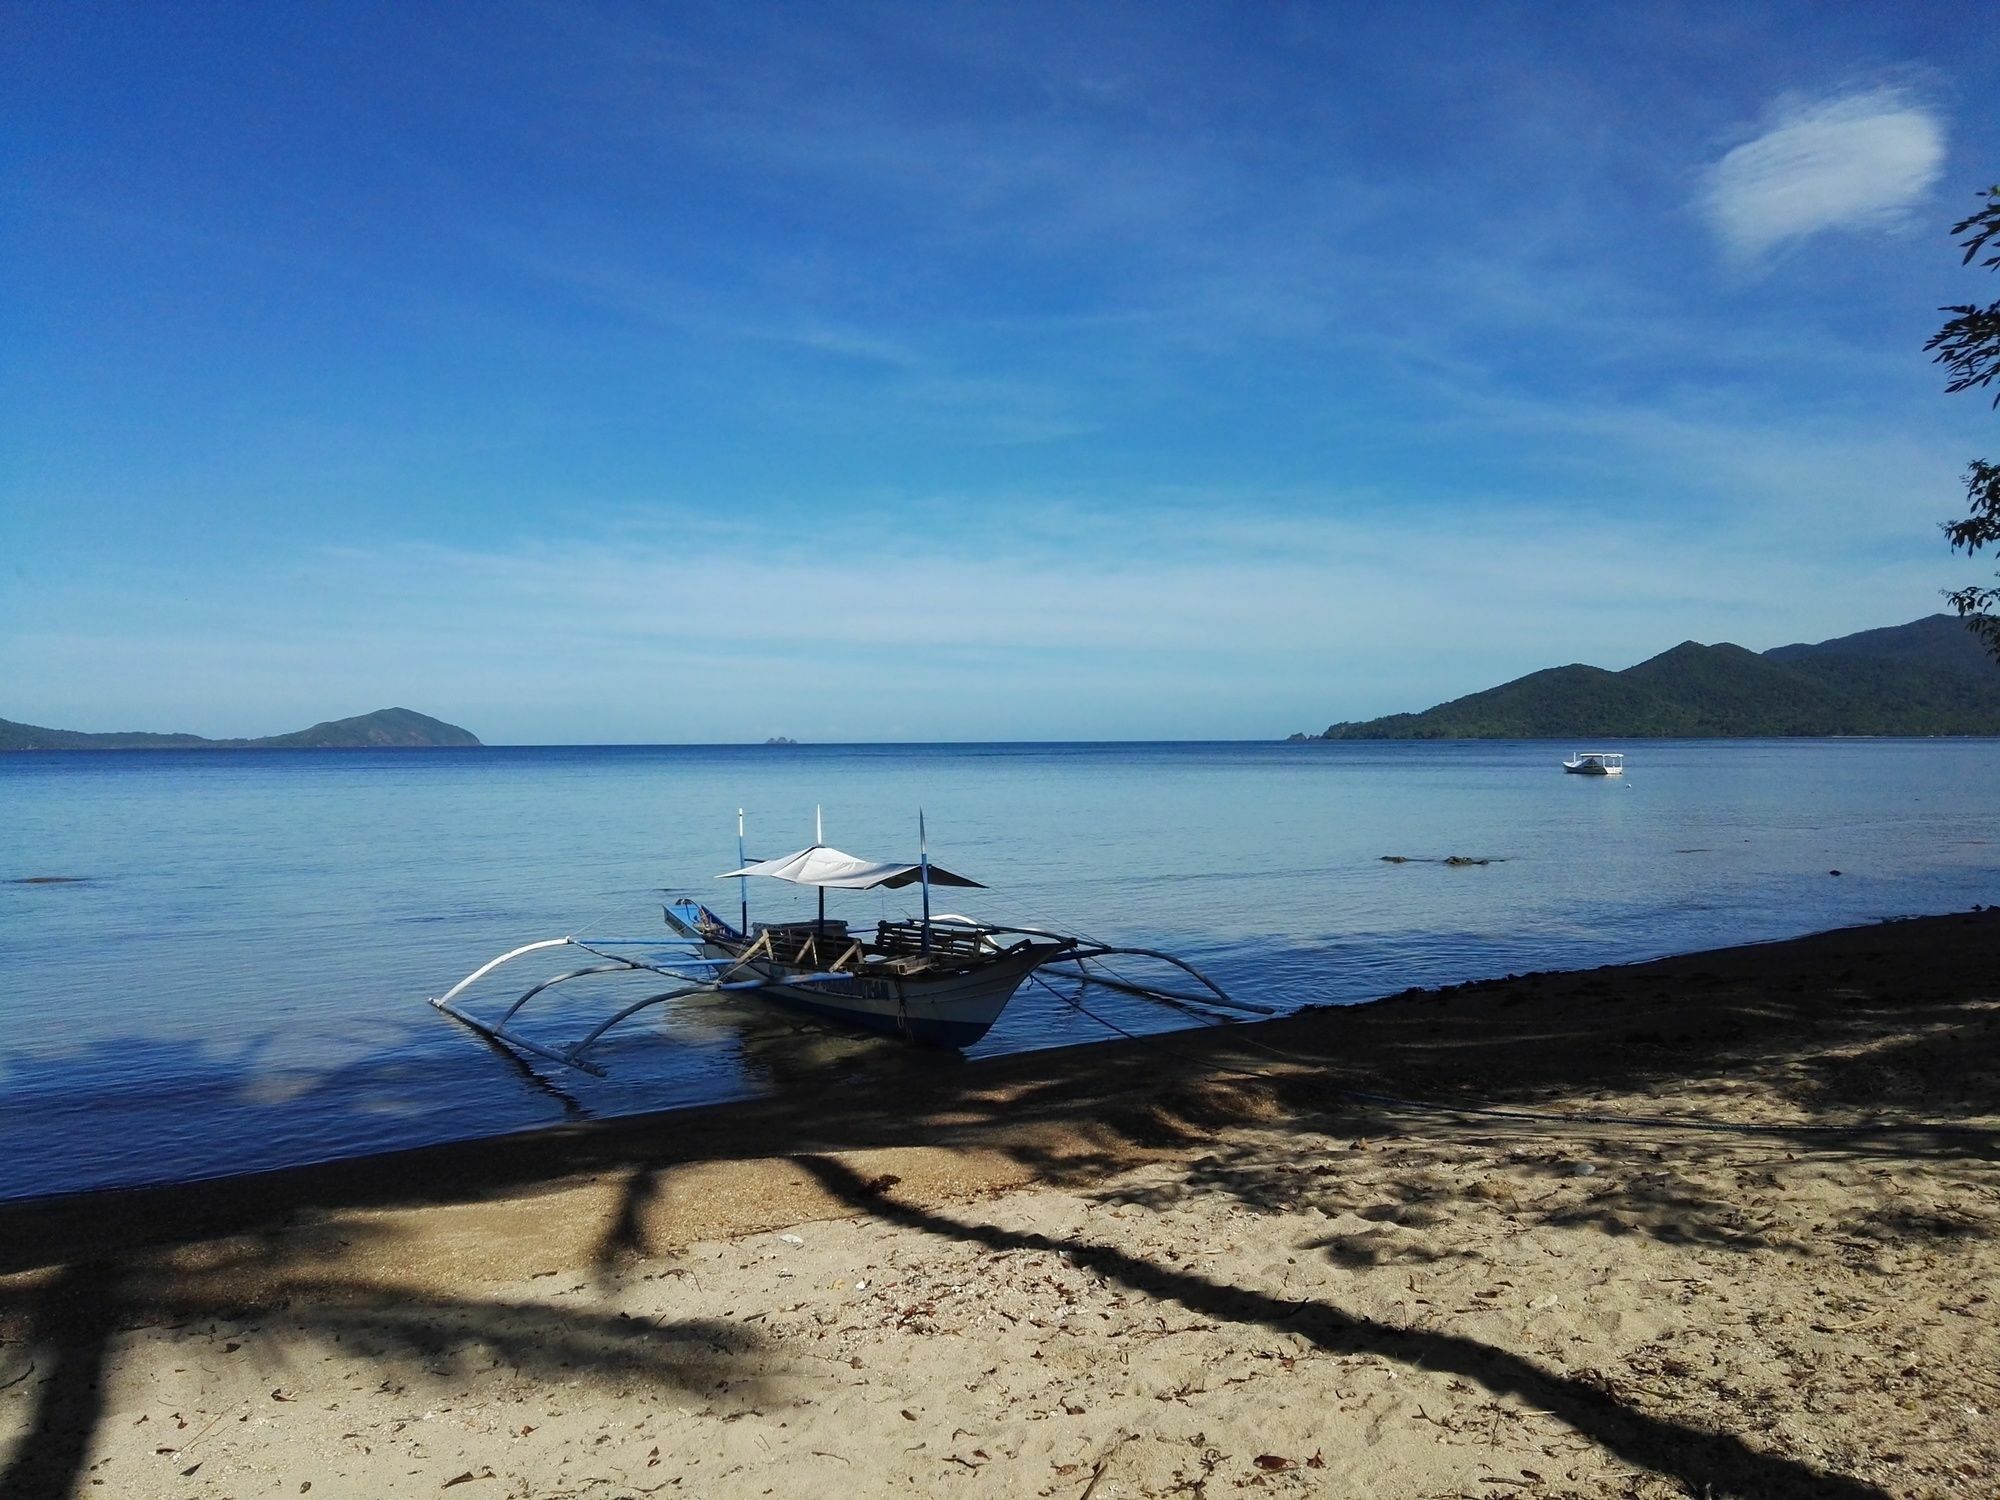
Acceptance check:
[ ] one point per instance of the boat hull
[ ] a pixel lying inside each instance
(949, 1010)
(1596, 763)
(952, 1009)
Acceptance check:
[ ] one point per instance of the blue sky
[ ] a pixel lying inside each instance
(680, 373)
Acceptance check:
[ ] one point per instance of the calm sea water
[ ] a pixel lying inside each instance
(237, 978)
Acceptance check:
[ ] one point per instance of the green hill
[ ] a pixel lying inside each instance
(386, 728)
(1931, 676)
(1935, 640)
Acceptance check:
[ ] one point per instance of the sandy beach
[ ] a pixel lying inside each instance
(1722, 1224)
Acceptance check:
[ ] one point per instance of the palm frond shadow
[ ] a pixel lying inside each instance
(1075, 1116)
(66, 1325)
(1704, 1461)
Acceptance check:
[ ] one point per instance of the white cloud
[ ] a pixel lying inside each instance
(1855, 161)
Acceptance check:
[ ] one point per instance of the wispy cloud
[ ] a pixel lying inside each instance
(1853, 161)
(1071, 628)
(903, 370)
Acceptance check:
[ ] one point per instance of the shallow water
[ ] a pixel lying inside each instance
(236, 977)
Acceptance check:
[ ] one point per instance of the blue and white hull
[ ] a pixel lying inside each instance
(952, 1007)
(948, 1010)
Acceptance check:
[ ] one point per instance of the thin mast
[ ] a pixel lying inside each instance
(924, 872)
(742, 881)
(819, 838)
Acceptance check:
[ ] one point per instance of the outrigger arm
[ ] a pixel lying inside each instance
(500, 1030)
(716, 977)
(1217, 997)
(696, 975)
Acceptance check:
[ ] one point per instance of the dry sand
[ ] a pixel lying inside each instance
(1201, 1268)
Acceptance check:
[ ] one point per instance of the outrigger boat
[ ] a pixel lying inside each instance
(942, 981)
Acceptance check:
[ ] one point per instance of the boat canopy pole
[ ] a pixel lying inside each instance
(819, 838)
(742, 881)
(924, 869)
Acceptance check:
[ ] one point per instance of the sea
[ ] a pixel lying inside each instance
(218, 961)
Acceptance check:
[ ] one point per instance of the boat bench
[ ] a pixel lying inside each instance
(949, 942)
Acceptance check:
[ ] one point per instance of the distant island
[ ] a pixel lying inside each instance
(385, 729)
(779, 739)
(1931, 676)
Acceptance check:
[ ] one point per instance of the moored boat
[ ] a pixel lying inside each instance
(941, 981)
(1595, 763)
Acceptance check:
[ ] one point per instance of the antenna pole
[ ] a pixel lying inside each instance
(819, 838)
(742, 881)
(924, 872)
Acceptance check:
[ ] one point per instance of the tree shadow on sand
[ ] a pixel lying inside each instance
(1693, 1190)
(66, 1327)
(624, 1238)
(1681, 1032)
(1705, 1461)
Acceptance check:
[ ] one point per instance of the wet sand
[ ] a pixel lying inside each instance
(1722, 1224)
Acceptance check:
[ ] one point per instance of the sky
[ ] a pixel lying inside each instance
(604, 373)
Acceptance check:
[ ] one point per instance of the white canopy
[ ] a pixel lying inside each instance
(830, 869)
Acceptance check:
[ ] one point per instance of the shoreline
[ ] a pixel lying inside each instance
(1085, 1075)
(1436, 1235)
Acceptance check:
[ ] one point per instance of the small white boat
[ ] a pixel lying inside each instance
(1595, 763)
(941, 981)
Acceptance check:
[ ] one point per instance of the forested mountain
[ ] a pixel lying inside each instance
(386, 728)
(1930, 676)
